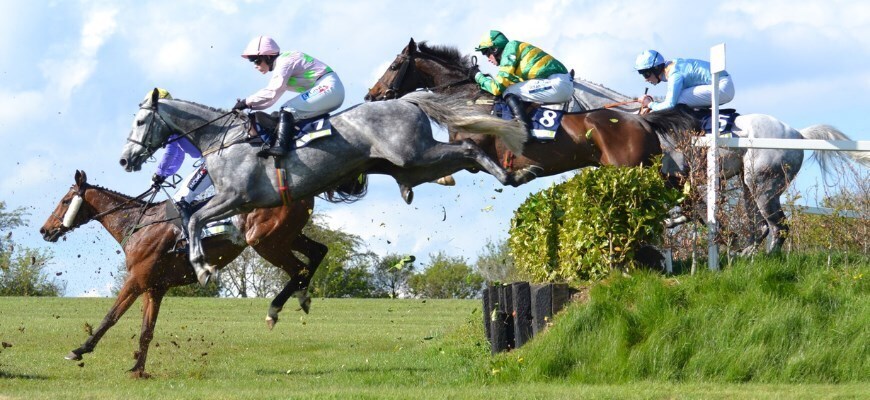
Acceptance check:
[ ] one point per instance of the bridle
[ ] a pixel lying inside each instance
(66, 222)
(409, 59)
(149, 149)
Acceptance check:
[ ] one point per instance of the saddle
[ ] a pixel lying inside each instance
(704, 118)
(222, 228)
(545, 117)
(266, 126)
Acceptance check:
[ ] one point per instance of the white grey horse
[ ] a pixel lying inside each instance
(393, 137)
(764, 173)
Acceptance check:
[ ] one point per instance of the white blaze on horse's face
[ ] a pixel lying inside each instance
(73, 210)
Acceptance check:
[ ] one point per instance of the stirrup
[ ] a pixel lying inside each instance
(180, 249)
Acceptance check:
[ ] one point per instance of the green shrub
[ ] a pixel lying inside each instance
(593, 223)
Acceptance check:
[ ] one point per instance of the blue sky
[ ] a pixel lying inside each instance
(73, 73)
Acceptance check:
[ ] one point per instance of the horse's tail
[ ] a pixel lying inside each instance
(349, 191)
(827, 157)
(456, 114)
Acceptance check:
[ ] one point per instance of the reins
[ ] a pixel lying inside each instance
(173, 131)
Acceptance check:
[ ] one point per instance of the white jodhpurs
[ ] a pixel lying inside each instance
(702, 96)
(193, 185)
(326, 96)
(557, 88)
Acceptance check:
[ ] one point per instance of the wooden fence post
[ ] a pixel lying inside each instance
(522, 312)
(542, 306)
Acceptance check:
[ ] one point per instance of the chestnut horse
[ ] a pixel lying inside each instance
(152, 269)
(600, 136)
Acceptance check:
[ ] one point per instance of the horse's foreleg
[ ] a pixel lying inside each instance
(150, 308)
(526, 174)
(126, 297)
(219, 207)
(472, 151)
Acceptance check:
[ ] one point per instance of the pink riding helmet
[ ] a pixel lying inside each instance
(261, 46)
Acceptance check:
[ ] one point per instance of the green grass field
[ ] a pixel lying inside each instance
(408, 349)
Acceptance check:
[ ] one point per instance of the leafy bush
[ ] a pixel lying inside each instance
(593, 223)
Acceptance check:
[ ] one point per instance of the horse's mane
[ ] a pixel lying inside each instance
(200, 105)
(117, 193)
(671, 122)
(446, 53)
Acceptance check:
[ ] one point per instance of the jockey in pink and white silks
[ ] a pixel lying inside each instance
(690, 81)
(320, 90)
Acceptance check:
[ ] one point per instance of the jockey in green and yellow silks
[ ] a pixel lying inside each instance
(525, 72)
(519, 65)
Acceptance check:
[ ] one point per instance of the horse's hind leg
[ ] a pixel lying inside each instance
(126, 297)
(300, 274)
(757, 225)
(765, 189)
(442, 159)
(151, 300)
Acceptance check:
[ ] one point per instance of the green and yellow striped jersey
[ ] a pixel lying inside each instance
(519, 62)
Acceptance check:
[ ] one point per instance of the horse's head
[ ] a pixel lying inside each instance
(69, 213)
(399, 79)
(437, 68)
(149, 133)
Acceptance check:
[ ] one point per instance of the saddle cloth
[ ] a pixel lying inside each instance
(307, 130)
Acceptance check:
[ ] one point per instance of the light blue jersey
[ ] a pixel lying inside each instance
(684, 73)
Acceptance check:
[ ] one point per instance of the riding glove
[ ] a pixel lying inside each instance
(472, 72)
(240, 105)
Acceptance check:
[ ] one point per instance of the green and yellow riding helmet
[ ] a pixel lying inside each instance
(494, 41)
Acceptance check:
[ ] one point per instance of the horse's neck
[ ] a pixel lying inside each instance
(125, 211)
(592, 95)
(203, 124)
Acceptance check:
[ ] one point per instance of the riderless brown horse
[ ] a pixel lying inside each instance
(600, 136)
(152, 269)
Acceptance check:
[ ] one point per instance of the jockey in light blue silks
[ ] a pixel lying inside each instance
(690, 81)
(194, 184)
(320, 90)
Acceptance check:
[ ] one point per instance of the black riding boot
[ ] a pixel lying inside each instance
(285, 135)
(516, 105)
(184, 210)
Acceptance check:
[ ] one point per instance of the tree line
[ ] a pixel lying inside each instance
(349, 269)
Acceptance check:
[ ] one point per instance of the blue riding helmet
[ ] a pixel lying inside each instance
(648, 59)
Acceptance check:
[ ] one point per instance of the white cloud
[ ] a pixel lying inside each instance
(17, 106)
(28, 174)
(796, 24)
(64, 76)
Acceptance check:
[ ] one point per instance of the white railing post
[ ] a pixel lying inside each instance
(717, 65)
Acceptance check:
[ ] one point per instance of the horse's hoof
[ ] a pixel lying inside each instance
(72, 356)
(305, 304)
(139, 374)
(270, 322)
(203, 277)
(407, 194)
(446, 181)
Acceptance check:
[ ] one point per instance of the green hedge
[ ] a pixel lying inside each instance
(583, 228)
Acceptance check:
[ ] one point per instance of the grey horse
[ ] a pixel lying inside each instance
(393, 138)
(764, 173)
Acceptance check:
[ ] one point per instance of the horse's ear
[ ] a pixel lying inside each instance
(412, 46)
(81, 178)
(155, 95)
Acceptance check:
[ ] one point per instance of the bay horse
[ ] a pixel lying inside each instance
(152, 269)
(392, 137)
(602, 137)
(606, 137)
